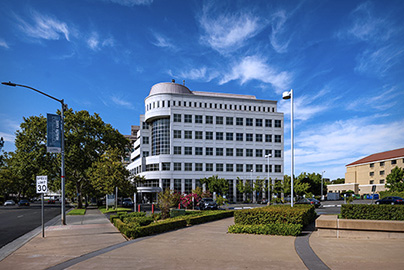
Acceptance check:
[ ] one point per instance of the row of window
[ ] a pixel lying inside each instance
(393, 162)
(229, 136)
(381, 181)
(371, 174)
(220, 120)
(229, 152)
(179, 103)
(210, 167)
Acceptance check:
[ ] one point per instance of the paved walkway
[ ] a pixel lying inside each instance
(91, 241)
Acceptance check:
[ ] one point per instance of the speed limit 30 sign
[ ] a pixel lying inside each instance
(42, 184)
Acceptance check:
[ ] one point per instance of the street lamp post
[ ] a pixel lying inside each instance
(289, 95)
(322, 198)
(269, 190)
(64, 107)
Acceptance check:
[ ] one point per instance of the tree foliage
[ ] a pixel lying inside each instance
(216, 184)
(395, 180)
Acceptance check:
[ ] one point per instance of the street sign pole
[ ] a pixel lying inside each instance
(43, 214)
(42, 187)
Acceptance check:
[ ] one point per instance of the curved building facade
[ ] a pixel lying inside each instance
(186, 135)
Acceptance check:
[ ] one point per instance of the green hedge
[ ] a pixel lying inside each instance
(268, 229)
(209, 216)
(391, 193)
(300, 214)
(372, 211)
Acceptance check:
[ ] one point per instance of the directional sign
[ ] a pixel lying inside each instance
(42, 184)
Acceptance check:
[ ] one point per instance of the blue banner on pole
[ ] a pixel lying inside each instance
(54, 133)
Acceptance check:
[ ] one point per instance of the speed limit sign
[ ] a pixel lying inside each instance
(42, 184)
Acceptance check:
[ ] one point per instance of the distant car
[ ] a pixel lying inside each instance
(310, 201)
(207, 203)
(51, 201)
(9, 202)
(23, 203)
(127, 202)
(390, 200)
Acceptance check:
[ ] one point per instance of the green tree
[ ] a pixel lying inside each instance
(216, 184)
(166, 200)
(338, 181)
(395, 180)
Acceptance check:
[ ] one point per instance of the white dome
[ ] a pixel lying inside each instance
(169, 88)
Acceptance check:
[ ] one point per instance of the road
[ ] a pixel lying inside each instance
(17, 221)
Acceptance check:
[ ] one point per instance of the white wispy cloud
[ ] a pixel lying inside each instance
(385, 99)
(162, 41)
(121, 102)
(278, 21)
(95, 43)
(203, 74)
(131, 3)
(3, 44)
(228, 32)
(44, 27)
(256, 68)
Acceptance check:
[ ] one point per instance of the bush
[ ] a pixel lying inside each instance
(177, 212)
(373, 212)
(391, 193)
(141, 221)
(156, 228)
(268, 229)
(300, 214)
(207, 217)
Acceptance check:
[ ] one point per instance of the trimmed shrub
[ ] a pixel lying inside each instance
(141, 221)
(209, 217)
(300, 214)
(112, 218)
(372, 211)
(177, 212)
(268, 229)
(391, 193)
(158, 227)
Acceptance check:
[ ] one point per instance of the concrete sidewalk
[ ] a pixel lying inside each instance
(91, 241)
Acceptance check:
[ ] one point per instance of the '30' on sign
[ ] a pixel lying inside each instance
(42, 184)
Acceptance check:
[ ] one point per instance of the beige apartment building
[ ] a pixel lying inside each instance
(362, 174)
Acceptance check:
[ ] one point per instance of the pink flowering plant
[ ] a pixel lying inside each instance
(190, 200)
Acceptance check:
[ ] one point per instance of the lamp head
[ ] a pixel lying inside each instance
(9, 83)
(286, 95)
(268, 156)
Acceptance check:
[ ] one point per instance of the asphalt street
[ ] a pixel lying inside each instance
(17, 221)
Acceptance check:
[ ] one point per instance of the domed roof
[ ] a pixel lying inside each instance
(169, 88)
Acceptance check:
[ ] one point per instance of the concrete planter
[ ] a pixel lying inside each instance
(331, 226)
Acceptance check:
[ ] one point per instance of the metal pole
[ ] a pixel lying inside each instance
(291, 145)
(322, 185)
(269, 190)
(42, 215)
(63, 164)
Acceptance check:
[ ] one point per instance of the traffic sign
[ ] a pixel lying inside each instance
(42, 184)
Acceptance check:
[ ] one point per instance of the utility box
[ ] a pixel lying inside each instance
(333, 196)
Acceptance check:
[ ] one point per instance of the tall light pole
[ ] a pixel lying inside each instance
(64, 106)
(269, 190)
(321, 198)
(289, 95)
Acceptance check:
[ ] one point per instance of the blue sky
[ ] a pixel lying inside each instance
(344, 60)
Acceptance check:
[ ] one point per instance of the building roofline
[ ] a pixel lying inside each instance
(382, 156)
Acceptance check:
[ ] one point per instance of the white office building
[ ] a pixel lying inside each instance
(188, 135)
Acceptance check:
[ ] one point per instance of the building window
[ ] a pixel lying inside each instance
(371, 182)
(277, 153)
(239, 167)
(209, 151)
(229, 136)
(381, 172)
(239, 152)
(278, 168)
(188, 118)
(258, 137)
(177, 185)
(258, 167)
(249, 153)
(219, 167)
(219, 136)
(393, 162)
(278, 123)
(177, 117)
(198, 135)
(239, 136)
(258, 122)
(268, 152)
(198, 167)
(229, 152)
(145, 140)
(249, 167)
(188, 186)
(381, 181)
(266, 168)
(219, 151)
(208, 119)
(177, 134)
(198, 151)
(229, 167)
(165, 166)
(198, 119)
(219, 120)
(229, 121)
(382, 164)
(209, 135)
(239, 121)
(268, 122)
(177, 150)
(188, 167)
(371, 174)
(187, 134)
(371, 165)
(249, 122)
(177, 166)
(209, 167)
(278, 138)
(145, 153)
(258, 152)
(249, 137)
(268, 137)
(188, 150)
(161, 136)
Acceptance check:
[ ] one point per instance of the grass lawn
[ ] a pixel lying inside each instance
(113, 209)
(77, 212)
